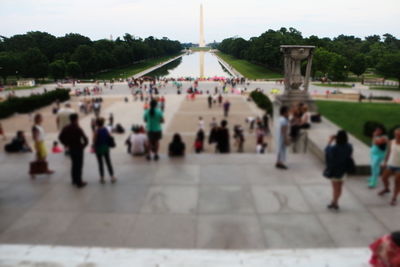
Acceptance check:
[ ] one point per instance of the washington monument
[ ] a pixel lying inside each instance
(202, 43)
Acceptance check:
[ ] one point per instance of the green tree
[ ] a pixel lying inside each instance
(358, 64)
(389, 66)
(34, 64)
(339, 68)
(73, 69)
(8, 65)
(322, 61)
(57, 69)
(86, 57)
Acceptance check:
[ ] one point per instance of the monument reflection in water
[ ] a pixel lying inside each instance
(203, 64)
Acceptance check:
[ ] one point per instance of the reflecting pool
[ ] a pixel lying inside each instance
(195, 65)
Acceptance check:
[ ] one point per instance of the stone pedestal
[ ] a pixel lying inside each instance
(293, 94)
(293, 97)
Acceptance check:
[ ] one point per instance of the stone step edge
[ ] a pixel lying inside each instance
(31, 255)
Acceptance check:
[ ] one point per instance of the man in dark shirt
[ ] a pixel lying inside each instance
(73, 137)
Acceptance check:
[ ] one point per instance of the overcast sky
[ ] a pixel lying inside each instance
(179, 19)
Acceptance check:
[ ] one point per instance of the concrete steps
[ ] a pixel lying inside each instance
(27, 255)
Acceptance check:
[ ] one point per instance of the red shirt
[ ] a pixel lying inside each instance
(385, 253)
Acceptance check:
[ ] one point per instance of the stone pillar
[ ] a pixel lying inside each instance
(308, 71)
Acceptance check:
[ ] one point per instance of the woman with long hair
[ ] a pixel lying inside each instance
(338, 157)
(392, 167)
(154, 118)
(176, 148)
(101, 144)
(378, 152)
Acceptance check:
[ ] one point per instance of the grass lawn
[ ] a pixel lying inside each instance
(352, 116)
(385, 88)
(248, 69)
(334, 85)
(21, 87)
(131, 70)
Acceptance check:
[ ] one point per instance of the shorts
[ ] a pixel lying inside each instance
(154, 136)
(337, 179)
(394, 169)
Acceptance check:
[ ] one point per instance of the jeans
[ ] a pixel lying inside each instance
(77, 165)
(106, 156)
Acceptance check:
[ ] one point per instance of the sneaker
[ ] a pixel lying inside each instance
(333, 207)
(383, 192)
(81, 185)
(148, 157)
(156, 157)
(281, 166)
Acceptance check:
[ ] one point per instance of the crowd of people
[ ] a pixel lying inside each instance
(144, 141)
(339, 160)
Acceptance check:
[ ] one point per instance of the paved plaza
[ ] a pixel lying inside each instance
(121, 88)
(206, 201)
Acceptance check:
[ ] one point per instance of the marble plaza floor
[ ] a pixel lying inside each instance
(207, 201)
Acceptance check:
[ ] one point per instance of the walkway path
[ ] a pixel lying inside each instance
(207, 201)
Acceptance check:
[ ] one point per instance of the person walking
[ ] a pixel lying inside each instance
(282, 137)
(220, 98)
(154, 118)
(162, 103)
(210, 101)
(239, 137)
(39, 166)
(337, 157)
(392, 167)
(102, 143)
(227, 106)
(73, 137)
(378, 153)
(222, 138)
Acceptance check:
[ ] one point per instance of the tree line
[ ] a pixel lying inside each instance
(333, 58)
(40, 54)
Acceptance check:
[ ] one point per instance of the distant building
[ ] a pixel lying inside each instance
(26, 82)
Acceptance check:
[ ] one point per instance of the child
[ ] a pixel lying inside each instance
(56, 148)
(199, 142)
(386, 251)
(201, 123)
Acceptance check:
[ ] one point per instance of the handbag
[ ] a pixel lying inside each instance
(38, 167)
(111, 141)
(350, 166)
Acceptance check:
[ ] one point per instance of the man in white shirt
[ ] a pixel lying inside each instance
(63, 116)
(139, 142)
